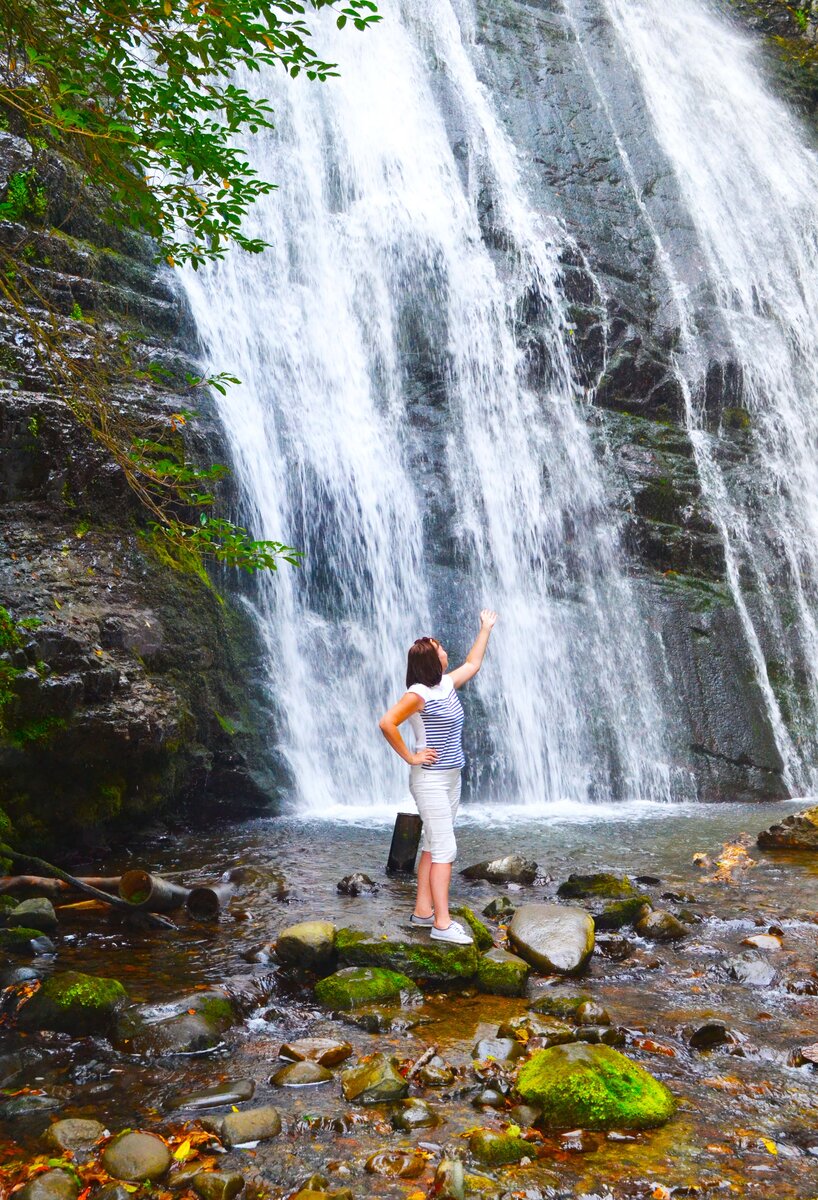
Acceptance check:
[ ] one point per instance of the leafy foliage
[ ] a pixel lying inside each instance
(141, 94)
(142, 97)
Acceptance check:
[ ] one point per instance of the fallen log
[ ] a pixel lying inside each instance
(151, 893)
(87, 889)
(206, 901)
(53, 888)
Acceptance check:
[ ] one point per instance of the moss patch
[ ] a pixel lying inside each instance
(417, 960)
(482, 937)
(74, 1003)
(354, 987)
(497, 1149)
(593, 1087)
(621, 912)
(578, 887)
(17, 938)
(502, 974)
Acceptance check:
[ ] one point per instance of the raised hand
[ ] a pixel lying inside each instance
(488, 619)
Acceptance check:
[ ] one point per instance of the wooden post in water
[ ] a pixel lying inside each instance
(405, 842)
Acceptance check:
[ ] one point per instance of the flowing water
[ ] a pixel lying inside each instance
(746, 1123)
(389, 424)
(750, 184)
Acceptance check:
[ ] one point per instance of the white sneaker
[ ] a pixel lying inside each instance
(453, 933)
(424, 921)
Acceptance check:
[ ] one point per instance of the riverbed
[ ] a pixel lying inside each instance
(747, 1121)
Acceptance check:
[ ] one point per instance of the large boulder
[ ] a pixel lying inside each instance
(37, 913)
(511, 869)
(354, 987)
(196, 1024)
(374, 1080)
(577, 1086)
(74, 1003)
(435, 963)
(796, 832)
(553, 938)
(309, 946)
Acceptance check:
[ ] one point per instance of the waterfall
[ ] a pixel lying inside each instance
(409, 417)
(750, 185)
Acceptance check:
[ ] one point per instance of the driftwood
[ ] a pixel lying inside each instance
(53, 888)
(78, 885)
(427, 1054)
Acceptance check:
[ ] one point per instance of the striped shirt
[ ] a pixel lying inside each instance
(439, 724)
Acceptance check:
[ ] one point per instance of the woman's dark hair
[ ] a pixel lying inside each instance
(423, 664)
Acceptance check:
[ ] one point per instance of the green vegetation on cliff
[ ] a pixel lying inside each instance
(140, 104)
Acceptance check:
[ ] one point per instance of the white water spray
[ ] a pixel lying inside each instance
(387, 425)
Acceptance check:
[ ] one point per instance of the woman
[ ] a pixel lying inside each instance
(433, 709)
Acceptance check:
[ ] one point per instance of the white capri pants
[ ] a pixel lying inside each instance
(437, 795)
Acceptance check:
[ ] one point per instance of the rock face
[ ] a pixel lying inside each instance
(796, 832)
(134, 685)
(577, 1086)
(553, 937)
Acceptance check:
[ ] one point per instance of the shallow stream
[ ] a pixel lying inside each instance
(745, 1124)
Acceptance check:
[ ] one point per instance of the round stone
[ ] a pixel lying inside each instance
(136, 1157)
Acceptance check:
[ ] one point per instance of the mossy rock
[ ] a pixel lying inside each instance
(354, 987)
(582, 1010)
(622, 912)
(498, 1149)
(435, 964)
(482, 936)
(601, 884)
(374, 1080)
(500, 973)
(74, 1003)
(578, 1086)
(17, 939)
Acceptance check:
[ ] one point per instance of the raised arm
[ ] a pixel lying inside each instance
(474, 658)
(408, 704)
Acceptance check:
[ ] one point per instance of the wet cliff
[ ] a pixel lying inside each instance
(129, 674)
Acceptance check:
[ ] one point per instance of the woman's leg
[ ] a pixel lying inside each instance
(433, 793)
(441, 877)
(424, 904)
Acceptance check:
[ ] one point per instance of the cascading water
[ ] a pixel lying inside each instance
(389, 424)
(751, 189)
